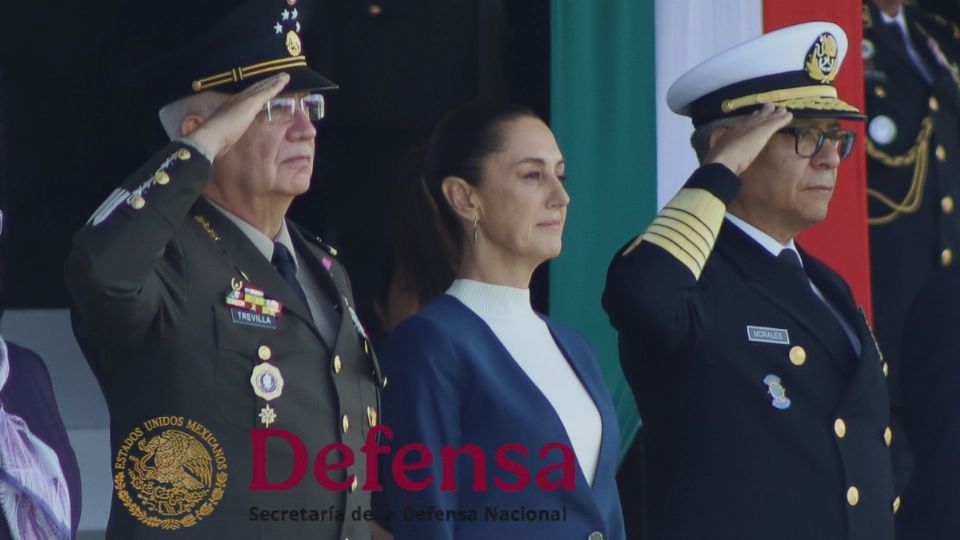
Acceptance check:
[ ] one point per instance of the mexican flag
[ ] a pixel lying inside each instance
(627, 154)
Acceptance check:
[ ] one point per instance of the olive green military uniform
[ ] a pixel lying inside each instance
(175, 310)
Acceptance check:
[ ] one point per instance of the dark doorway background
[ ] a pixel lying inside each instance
(69, 134)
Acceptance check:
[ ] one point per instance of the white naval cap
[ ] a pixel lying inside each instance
(793, 67)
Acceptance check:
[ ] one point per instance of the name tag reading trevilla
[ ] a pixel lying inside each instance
(764, 334)
(253, 319)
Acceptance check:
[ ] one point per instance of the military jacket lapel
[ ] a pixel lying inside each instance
(244, 255)
(765, 274)
(334, 286)
(889, 37)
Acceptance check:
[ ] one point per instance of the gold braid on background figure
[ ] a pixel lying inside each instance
(917, 155)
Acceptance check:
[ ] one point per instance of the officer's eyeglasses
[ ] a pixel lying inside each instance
(809, 141)
(282, 109)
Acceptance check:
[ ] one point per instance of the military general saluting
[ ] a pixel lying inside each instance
(205, 314)
(758, 379)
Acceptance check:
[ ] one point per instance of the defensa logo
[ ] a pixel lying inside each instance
(170, 472)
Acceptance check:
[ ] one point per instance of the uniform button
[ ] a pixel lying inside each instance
(853, 496)
(337, 364)
(840, 428)
(137, 202)
(941, 152)
(372, 416)
(595, 536)
(896, 505)
(886, 369)
(798, 356)
(946, 204)
(946, 257)
(264, 352)
(354, 485)
(879, 92)
(162, 178)
(383, 385)
(346, 423)
(934, 104)
(183, 153)
(888, 436)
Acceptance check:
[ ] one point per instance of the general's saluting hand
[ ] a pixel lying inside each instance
(230, 120)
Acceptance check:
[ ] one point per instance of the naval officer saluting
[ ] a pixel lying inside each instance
(762, 392)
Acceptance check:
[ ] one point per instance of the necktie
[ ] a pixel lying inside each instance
(283, 261)
(919, 63)
(791, 259)
(327, 318)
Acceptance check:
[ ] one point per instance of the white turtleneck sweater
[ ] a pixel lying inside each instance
(527, 338)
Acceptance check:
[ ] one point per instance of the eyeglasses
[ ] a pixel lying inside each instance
(282, 109)
(809, 141)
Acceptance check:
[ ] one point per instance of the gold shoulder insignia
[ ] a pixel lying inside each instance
(205, 224)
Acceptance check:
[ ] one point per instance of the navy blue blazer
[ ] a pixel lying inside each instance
(452, 382)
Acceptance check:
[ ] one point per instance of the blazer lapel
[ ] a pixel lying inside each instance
(591, 379)
(765, 274)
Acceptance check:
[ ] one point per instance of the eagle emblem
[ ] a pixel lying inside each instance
(173, 472)
(823, 59)
(174, 458)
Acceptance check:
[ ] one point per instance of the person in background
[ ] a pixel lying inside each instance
(762, 393)
(913, 152)
(477, 367)
(39, 475)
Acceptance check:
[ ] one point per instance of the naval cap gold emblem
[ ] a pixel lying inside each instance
(822, 59)
(170, 472)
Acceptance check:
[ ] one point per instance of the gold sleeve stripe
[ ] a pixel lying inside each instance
(691, 245)
(691, 221)
(686, 228)
(672, 248)
(702, 204)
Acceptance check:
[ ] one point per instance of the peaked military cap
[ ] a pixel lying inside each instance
(237, 46)
(793, 67)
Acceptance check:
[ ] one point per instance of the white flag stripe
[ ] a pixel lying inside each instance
(688, 32)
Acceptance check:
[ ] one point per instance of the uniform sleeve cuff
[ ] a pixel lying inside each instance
(717, 179)
(198, 147)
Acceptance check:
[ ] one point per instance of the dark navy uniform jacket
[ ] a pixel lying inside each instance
(931, 388)
(761, 421)
(149, 276)
(913, 155)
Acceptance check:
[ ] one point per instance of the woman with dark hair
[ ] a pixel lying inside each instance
(498, 418)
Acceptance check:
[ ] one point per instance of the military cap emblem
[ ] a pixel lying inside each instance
(171, 472)
(821, 64)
